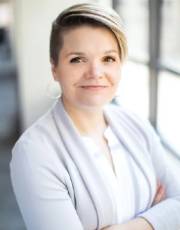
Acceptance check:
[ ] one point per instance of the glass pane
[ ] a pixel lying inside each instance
(133, 89)
(135, 16)
(170, 34)
(169, 109)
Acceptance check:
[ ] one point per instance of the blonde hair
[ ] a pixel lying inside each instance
(87, 13)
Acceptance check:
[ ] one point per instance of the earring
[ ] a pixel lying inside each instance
(53, 89)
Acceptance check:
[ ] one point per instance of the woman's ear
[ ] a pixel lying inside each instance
(53, 69)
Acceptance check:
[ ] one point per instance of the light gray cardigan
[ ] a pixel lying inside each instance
(58, 186)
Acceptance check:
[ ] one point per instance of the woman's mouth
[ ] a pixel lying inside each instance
(94, 87)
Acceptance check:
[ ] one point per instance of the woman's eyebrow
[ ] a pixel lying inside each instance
(74, 53)
(81, 53)
(111, 51)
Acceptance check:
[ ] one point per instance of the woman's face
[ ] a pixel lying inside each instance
(88, 68)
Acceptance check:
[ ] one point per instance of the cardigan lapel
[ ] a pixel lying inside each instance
(115, 120)
(101, 197)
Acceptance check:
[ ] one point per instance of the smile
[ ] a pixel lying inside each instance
(94, 86)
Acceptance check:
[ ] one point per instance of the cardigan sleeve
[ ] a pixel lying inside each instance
(166, 214)
(41, 194)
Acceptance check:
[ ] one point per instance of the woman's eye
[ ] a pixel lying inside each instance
(76, 60)
(109, 59)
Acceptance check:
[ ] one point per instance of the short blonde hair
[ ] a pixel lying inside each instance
(86, 13)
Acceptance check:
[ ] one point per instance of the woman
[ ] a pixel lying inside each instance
(88, 163)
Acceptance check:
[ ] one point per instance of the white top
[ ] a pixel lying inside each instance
(120, 182)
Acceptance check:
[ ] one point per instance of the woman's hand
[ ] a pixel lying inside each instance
(135, 224)
(160, 194)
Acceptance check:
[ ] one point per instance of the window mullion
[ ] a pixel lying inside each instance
(154, 53)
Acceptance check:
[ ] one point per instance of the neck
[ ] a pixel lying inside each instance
(88, 121)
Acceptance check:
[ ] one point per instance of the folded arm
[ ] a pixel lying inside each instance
(163, 214)
(141, 223)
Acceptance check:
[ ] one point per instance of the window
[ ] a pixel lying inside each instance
(168, 115)
(170, 34)
(135, 15)
(133, 87)
(151, 78)
(135, 77)
(169, 109)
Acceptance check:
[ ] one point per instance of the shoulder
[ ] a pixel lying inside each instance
(128, 117)
(37, 131)
(135, 126)
(41, 132)
(37, 147)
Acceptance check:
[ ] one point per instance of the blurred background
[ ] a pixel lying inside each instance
(150, 83)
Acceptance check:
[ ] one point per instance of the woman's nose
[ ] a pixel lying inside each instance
(95, 70)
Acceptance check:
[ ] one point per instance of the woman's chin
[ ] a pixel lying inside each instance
(94, 103)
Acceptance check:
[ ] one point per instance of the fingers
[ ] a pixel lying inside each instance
(160, 193)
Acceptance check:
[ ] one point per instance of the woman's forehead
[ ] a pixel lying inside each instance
(86, 37)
